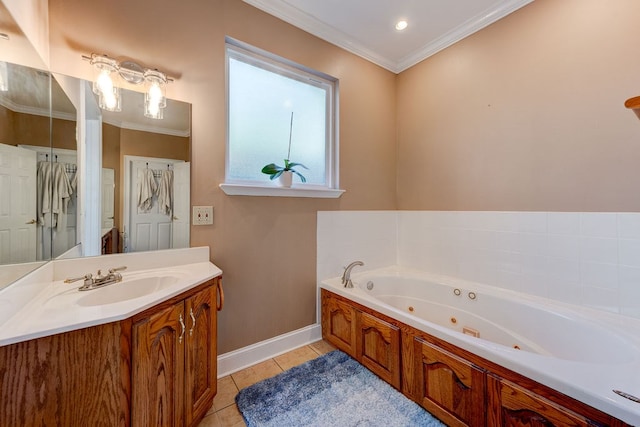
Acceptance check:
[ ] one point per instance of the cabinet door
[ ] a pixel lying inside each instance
(513, 406)
(339, 323)
(201, 369)
(158, 369)
(449, 387)
(378, 348)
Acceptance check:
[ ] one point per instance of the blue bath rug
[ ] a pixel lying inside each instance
(332, 390)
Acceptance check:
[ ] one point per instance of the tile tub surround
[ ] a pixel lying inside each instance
(582, 258)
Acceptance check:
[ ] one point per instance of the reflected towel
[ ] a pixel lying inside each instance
(44, 194)
(165, 192)
(146, 189)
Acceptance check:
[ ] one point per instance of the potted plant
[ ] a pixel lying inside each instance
(285, 173)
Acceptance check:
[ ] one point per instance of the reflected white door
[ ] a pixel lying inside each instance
(18, 207)
(108, 198)
(150, 230)
(181, 204)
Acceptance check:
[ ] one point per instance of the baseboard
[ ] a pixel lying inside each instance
(237, 360)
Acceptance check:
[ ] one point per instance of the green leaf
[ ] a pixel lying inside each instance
(277, 174)
(302, 178)
(292, 165)
(271, 169)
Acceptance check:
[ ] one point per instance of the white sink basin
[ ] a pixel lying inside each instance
(126, 290)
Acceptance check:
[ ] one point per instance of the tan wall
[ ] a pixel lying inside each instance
(6, 126)
(266, 246)
(29, 129)
(527, 114)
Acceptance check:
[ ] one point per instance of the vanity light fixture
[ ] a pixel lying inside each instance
(633, 104)
(401, 25)
(109, 92)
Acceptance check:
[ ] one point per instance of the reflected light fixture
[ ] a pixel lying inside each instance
(401, 25)
(109, 99)
(4, 77)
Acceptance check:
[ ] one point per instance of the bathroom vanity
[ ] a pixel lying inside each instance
(135, 360)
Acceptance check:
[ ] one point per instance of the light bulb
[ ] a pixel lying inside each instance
(104, 82)
(155, 93)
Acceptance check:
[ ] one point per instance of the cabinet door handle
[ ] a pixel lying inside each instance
(183, 328)
(193, 320)
(219, 302)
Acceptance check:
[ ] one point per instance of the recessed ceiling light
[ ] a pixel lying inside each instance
(401, 25)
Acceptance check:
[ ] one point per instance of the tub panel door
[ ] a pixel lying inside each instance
(339, 323)
(378, 348)
(448, 386)
(512, 405)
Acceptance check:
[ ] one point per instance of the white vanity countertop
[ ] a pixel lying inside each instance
(46, 306)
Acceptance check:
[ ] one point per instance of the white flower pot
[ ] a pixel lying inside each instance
(285, 179)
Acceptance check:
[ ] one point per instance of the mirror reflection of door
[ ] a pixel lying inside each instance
(181, 204)
(108, 199)
(148, 215)
(18, 206)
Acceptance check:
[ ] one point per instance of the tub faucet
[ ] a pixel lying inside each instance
(346, 276)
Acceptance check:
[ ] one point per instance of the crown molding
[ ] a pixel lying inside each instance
(35, 111)
(294, 16)
(147, 128)
(17, 108)
(469, 27)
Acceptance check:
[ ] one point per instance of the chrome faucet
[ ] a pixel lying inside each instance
(346, 276)
(90, 282)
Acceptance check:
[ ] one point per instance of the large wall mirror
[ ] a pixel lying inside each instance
(79, 181)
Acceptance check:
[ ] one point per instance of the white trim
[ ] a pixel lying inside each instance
(237, 360)
(288, 13)
(256, 190)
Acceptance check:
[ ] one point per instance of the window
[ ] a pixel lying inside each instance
(278, 110)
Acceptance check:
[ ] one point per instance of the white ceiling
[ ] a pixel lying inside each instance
(367, 27)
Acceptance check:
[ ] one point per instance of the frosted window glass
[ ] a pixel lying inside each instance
(260, 103)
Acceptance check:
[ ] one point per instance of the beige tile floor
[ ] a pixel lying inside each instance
(224, 412)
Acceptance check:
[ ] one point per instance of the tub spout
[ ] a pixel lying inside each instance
(346, 276)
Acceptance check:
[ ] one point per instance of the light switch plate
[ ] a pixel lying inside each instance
(202, 215)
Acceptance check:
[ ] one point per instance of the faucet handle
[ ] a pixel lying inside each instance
(113, 270)
(75, 279)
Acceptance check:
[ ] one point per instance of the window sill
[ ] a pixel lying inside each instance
(272, 191)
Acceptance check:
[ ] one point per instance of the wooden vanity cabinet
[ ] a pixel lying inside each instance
(142, 371)
(174, 361)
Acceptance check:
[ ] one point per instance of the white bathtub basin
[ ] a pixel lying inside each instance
(126, 290)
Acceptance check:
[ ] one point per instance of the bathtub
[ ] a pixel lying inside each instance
(580, 352)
